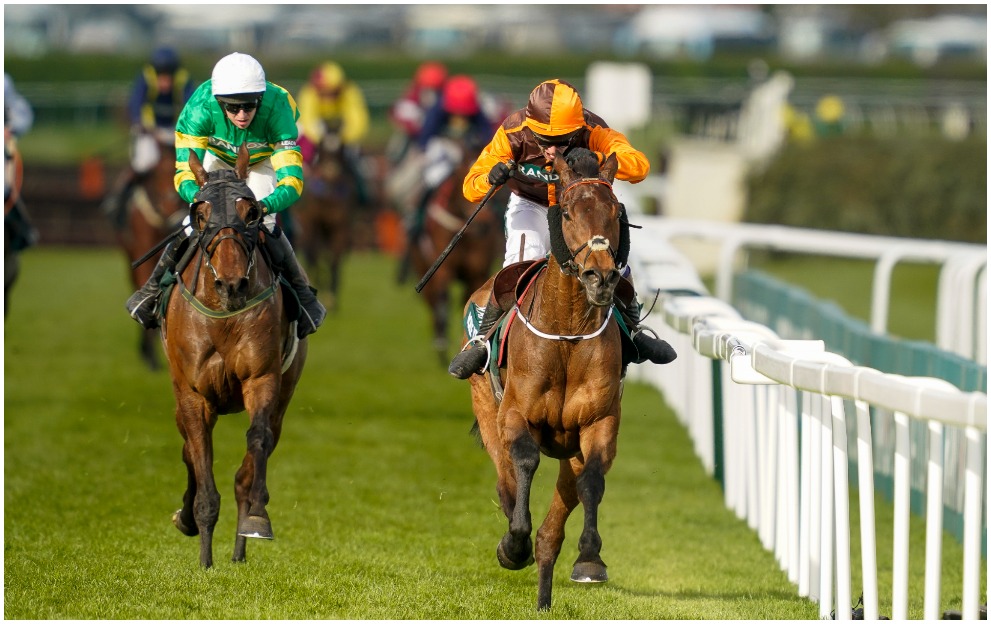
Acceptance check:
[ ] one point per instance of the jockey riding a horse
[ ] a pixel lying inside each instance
(330, 100)
(157, 97)
(553, 122)
(238, 106)
(456, 121)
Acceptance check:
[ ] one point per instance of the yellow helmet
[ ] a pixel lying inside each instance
(555, 108)
(328, 77)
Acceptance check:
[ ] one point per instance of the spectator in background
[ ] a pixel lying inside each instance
(330, 102)
(158, 94)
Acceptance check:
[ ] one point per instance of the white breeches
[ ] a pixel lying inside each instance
(527, 221)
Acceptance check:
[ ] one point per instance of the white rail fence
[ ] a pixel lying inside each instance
(799, 416)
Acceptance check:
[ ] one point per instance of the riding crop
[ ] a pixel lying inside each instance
(457, 237)
(154, 250)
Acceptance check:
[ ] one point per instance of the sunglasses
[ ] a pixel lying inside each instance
(235, 107)
(554, 141)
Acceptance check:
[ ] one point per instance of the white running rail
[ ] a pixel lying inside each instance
(788, 405)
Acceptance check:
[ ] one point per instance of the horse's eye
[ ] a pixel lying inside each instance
(201, 211)
(565, 215)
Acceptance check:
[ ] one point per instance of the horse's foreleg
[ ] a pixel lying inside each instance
(196, 427)
(515, 551)
(599, 449)
(254, 521)
(550, 535)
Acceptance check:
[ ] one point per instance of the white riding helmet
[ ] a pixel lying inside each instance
(238, 74)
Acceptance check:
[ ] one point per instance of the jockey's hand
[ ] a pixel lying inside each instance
(499, 174)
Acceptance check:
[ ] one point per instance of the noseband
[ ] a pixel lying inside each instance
(562, 253)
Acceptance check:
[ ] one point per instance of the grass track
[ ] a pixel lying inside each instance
(382, 504)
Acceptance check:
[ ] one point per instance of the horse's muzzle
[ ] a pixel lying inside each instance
(599, 285)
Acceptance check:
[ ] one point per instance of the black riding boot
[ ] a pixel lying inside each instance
(284, 261)
(649, 346)
(143, 303)
(474, 357)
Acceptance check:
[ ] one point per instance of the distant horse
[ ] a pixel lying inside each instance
(470, 263)
(152, 212)
(231, 348)
(561, 380)
(324, 216)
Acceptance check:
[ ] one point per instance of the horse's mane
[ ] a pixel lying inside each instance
(583, 161)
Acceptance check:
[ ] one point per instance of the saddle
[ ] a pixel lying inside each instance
(508, 287)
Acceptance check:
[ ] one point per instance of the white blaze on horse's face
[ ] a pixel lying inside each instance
(598, 243)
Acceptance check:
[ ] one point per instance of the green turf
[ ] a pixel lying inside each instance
(382, 504)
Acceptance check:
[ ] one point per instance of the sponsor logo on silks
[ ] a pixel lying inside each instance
(538, 173)
(230, 147)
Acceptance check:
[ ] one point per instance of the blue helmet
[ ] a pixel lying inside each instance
(165, 60)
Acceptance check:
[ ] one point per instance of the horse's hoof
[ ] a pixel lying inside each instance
(191, 531)
(512, 564)
(589, 572)
(255, 526)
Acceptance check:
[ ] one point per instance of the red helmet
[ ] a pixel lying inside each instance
(461, 96)
(430, 75)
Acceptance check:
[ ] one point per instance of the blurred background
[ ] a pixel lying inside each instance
(867, 118)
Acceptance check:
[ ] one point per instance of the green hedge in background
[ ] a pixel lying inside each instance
(910, 187)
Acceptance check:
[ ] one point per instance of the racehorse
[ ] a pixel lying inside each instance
(152, 212)
(470, 263)
(231, 348)
(324, 215)
(561, 380)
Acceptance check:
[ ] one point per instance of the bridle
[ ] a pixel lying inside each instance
(225, 224)
(567, 258)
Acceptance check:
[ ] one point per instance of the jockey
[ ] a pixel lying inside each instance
(159, 92)
(457, 116)
(18, 117)
(410, 110)
(553, 121)
(329, 101)
(235, 107)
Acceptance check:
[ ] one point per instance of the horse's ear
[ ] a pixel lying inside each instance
(608, 169)
(197, 168)
(241, 167)
(564, 170)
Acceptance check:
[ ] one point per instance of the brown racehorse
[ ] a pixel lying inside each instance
(324, 216)
(230, 349)
(469, 264)
(153, 210)
(562, 379)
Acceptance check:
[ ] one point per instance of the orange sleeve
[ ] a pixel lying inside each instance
(633, 164)
(476, 183)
